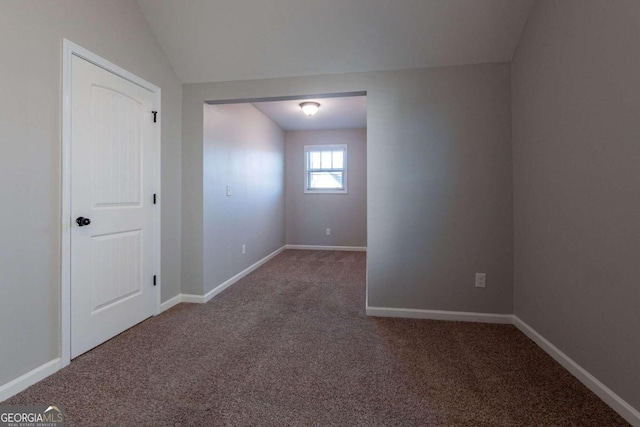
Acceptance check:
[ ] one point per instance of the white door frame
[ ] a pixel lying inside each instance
(70, 49)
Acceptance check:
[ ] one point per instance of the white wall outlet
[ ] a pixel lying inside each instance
(481, 280)
(244, 249)
(327, 232)
(228, 190)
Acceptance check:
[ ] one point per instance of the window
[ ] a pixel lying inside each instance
(325, 168)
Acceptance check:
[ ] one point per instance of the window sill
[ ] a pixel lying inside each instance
(326, 191)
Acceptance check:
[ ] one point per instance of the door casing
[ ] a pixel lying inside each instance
(70, 49)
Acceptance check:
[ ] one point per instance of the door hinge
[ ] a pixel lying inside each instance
(154, 198)
(155, 114)
(154, 280)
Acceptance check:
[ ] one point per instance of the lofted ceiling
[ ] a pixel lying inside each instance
(222, 40)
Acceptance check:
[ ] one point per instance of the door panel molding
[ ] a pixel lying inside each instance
(69, 50)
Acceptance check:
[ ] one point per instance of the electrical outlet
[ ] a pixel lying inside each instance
(244, 249)
(228, 190)
(328, 232)
(481, 280)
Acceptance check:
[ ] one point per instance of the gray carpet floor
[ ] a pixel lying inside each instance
(290, 345)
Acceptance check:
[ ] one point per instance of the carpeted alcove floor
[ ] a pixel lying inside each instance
(290, 345)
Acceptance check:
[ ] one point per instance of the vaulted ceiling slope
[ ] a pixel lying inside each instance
(221, 40)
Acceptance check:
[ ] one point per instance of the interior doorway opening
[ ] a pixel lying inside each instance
(264, 163)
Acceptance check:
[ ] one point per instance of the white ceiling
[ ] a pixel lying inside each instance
(334, 113)
(221, 40)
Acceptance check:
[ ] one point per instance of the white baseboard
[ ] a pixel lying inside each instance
(618, 404)
(192, 299)
(215, 291)
(459, 316)
(628, 412)
(201, 299)
(188, 298)
(30, 378)
(170, 303)
(327, 248)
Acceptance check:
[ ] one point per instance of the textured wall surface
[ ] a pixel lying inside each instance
(309, 215)
(31, 35)
(243, 149)
(439, 143)
(576, 184)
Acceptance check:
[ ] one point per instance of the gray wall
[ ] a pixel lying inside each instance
(31, 35)
(576, 150)
(439, 153)
(244, 149)
(308, 215)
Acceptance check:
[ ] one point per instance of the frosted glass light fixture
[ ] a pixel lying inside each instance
(310, 108)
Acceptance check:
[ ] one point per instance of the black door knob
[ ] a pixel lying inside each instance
(81, 221)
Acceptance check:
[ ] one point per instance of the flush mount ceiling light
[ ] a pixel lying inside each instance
(310, 108)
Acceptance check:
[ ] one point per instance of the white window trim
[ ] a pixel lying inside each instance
(327, 147)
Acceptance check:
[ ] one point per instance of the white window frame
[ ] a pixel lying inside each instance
(333, 147)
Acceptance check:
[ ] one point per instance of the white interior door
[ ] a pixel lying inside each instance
(112, 282)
